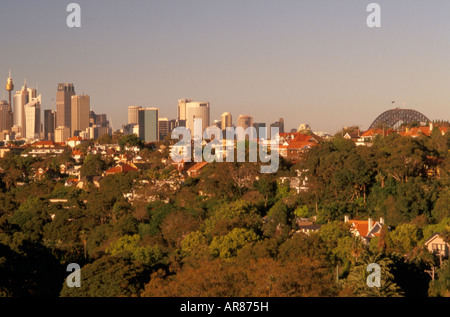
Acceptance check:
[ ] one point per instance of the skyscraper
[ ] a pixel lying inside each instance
(133, 114)
(62, 134)
(259, 135)
(21, 98)
(149, 124)
(278, 124)
(163, 127)
(245, 121)
(9, 116)
(79, 113)
(197, 110)
(49, 124)
(64, 105)
(182, 108)
(226, 120)
(4, 116)
(32, 127)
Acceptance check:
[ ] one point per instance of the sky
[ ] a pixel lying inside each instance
(314, 62)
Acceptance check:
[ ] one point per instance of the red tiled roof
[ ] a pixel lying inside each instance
(197, 166)
(75, 138)
(44, 143)
(373, 132)
(121, 168)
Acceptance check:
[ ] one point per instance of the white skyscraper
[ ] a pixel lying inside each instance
(197, 110)
(32, 110)
(21, 98)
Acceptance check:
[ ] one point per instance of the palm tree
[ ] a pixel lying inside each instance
(358, 275)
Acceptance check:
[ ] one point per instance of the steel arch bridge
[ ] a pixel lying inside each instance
(394, 117)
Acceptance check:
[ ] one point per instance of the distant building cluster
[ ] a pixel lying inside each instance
(21, 116)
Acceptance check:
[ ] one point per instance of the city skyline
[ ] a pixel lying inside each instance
(310, 63)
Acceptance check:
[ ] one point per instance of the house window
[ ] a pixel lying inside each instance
(437, 247)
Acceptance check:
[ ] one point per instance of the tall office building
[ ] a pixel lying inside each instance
(80, 107)
(245, 121)
(149, 124)
(32, 110)
(64, 105)
(92, 118)
(263, 134)
(278, 124)
(22, 98)
(175, 124)
(62, 134)
(101, 120)
(197, 110)
(182, 108)
(133, 114)
(163, 127)
(5, 123)
(226, 120)
(217, 123)
(49, 124)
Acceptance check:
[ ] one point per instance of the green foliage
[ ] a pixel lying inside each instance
(440, 287)
(130, 247)
(357, 278)
(229, 231)
(228, 246)
(109, 277)
(131, 140)
(442, 207)
(93, 164)
(404, 238)
(156, 212)
(238, 214)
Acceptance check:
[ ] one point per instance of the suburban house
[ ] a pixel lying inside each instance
(367, 137)
(307, 225)
(74, 141)
(438, 246)
(425, 130)
(46, 147)
(293, 144)
(121, 168)
(365, 229)
(95, 180)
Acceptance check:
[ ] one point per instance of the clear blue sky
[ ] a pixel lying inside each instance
(312, 61)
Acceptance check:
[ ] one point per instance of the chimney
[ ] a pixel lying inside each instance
(370, 225)
(431, 126)
(346, 218)
(381, 221)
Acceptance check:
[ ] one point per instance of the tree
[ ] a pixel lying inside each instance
(131, 247)
(404, 238)
(442, 207)
(357, 278)
(227, 246)
(104, 139)
(440, 287)
(176, 226)
(109, 277)
(92, 165)
(131, 140)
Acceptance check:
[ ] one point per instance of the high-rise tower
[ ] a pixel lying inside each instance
(21, 99)
(80, 114)
(64, 105)
(197, 110)
(226, 120)
(9, 88)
